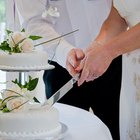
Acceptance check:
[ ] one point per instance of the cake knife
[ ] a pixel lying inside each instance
(61, 92)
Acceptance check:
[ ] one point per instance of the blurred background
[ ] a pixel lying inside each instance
(2, 36)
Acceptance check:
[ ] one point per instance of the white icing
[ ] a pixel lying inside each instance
(31, 59)
(26, 68)
(34, 123)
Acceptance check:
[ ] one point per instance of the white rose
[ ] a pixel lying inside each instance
(27, 45)
(15, 38)
(52, 11)
(17, 104)
(11, 92)
(29, 95)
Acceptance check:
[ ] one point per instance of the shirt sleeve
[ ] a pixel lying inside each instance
(62, 52)
(30, 18)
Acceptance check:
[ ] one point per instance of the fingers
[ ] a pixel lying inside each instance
(74, 59)
(79, 54)
(86, 76)
(90, 71)
(75, 56)
(72, 70)
(92, 77)
(83, 76)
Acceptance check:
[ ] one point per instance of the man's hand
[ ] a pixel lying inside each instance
(74, 58)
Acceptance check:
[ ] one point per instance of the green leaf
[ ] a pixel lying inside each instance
(8, 32)
(36, 100)
(18, 83)
(25, 85)
(32, 84)
(2, 105)
(16, 49)
(5, 46)
(30, 78)
(23, 30)
(5, 110)
(34, 37)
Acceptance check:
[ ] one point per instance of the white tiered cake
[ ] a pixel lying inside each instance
(34, 59)
(18, 53)
(35, 123)
(20, 115)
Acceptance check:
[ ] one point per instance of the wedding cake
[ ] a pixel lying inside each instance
(19, 52)
(21, 114)
(34, 123)
(34, 59)
(37, 123)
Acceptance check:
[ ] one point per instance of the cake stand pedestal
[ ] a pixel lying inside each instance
(23, 77)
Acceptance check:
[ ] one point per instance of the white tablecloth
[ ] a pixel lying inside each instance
(82, 125)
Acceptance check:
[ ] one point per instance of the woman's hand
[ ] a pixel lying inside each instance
(95, 63)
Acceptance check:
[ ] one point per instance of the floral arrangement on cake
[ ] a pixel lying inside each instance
(21, 42)
(18, 42)
(20, 97)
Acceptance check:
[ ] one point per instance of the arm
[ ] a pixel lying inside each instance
(107, 32)
(30, 18)
(100, 54)
(125, 40)
(113, 26)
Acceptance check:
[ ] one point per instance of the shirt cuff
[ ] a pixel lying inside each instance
(62, 51)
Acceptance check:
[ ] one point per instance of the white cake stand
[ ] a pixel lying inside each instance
(23, 70)
(26, 69)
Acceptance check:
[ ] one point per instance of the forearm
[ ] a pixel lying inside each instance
(112, 26)
(124, 42)
(36, 25)
(58, 49)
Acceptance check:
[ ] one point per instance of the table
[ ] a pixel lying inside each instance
(82, 125)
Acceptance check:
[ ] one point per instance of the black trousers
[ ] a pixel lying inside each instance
(102, 94)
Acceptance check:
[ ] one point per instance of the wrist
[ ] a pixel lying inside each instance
(110, 50)
(99, 43)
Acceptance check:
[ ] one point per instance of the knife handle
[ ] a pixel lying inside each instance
(76, 78)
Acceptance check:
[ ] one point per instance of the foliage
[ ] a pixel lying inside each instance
(17, 99)
(18, 42)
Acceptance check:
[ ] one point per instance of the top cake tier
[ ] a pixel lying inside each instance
(35, 60)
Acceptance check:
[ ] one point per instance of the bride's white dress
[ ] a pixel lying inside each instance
(130, 93)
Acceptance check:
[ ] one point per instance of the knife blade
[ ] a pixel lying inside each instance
(61, 92)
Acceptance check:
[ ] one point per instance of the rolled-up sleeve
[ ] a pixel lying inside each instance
(30, 18)
(62, 52)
